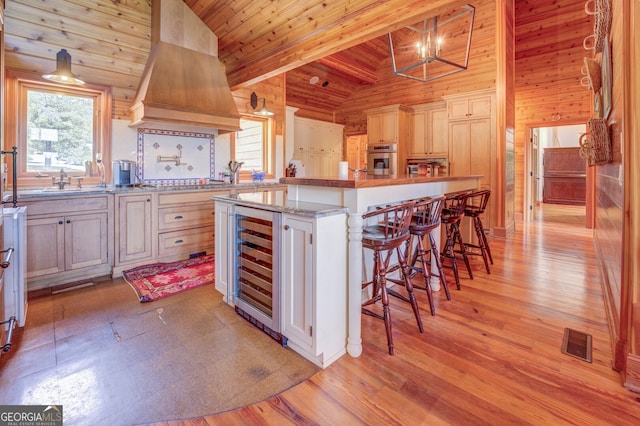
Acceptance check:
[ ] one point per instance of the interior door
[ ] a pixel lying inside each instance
(534, 172)
(353, 152)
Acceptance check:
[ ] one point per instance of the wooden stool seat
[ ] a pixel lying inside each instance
(426, 218)
(452, 214)
(390, 229)
(475, 208)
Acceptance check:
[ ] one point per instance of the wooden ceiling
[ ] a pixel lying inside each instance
(341, 42)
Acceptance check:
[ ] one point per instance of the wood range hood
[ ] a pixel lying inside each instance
(183, 84)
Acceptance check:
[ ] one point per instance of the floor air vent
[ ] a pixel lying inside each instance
(577, 344)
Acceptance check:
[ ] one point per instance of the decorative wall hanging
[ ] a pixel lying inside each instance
(591, 72)
(605, 68)
(595, 145)
(601, 11)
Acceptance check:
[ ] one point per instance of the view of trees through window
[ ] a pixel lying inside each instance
(59, 131)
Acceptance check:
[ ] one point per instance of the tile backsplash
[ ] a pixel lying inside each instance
(168, 157)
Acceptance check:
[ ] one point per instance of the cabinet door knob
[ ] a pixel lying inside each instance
(60, 222)
(148, 200)
(68, 220)
(286, 227)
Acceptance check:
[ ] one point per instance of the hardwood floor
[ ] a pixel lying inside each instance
(491, 355)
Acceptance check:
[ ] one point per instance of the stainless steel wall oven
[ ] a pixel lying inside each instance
(382, 159)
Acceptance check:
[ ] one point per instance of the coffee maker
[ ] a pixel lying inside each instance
(124, 173)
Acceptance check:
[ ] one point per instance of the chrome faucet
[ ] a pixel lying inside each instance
(64, 179)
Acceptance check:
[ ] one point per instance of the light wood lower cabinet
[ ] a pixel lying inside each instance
(185, 224)
(64, 245)
(134, 226)
(45, 246)
(314, 293)
(163, 227)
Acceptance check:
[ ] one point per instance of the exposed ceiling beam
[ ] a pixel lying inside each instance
(361, 25)
(348, 65)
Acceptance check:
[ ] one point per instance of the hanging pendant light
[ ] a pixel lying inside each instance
(63, 73)
(434, 47)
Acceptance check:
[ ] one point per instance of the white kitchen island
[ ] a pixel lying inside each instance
(360, 194)
(282, 264)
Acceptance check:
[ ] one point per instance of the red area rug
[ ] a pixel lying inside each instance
(153, 282)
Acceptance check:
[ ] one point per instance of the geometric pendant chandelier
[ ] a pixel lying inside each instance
(434, 47)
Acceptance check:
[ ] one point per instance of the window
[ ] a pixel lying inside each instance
(252, 145)
(57, 127)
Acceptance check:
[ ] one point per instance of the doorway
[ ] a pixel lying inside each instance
(554, 139)
(356, 153)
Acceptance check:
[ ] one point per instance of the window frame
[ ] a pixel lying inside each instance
(268, 146)
(17, 84)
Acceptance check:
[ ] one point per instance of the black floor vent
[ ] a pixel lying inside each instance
(577, 344)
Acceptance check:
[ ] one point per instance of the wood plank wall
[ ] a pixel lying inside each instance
(112, 38)
(505, 119)
(481, 74)
(609, 199)
(273, 91)
(549, 56)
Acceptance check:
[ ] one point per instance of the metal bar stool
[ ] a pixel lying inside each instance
(426, 218)
(475, 207)
(452, 214)
(388, 233)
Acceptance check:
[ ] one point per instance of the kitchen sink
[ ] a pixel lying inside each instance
(68, 189)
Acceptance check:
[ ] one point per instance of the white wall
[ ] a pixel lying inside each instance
(561, 136)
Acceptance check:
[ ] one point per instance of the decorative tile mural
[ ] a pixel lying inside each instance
(168, 157)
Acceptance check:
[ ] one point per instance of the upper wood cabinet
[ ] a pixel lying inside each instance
(472, 107)
(318, 144)
(472, 141)
(430, 131)
(388, 124)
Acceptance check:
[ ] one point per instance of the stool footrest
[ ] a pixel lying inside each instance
(372, 314)
(398, 295)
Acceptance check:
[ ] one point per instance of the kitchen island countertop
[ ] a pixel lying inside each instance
(361, 194)
(370, 181)
(277, 201)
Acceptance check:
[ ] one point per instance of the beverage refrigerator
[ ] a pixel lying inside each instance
(256, 275)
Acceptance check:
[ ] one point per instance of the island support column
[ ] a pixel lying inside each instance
(354, 340)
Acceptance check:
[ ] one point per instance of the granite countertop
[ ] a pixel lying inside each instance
(369, 181)
(52, 191)
(277, 201)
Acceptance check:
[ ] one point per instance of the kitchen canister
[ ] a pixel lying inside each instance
(343, 169)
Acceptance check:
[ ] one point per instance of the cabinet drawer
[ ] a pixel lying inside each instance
(186, 242)
(68, 205)
(185, 216)
(180, 197)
